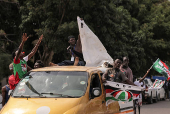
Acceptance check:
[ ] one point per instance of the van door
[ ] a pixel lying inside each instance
(96, 104)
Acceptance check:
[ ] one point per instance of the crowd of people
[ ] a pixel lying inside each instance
(118, 72)
(19, 67)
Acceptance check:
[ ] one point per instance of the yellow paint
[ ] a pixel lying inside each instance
(82, 105)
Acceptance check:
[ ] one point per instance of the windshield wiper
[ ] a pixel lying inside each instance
(23, 96)
(32, 89)
(28, 96)
(62, 95)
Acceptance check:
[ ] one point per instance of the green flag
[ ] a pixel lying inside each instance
(162, 68)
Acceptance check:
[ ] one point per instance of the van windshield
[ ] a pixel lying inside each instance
(52, 84)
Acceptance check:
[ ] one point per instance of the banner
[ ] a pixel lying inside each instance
(94, 52)
(158, 83)
(162, 68)
(121, 92)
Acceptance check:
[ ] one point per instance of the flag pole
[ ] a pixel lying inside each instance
(153, 64)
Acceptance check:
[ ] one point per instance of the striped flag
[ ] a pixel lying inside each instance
(120, 92)
(162, 68)
(158, 83)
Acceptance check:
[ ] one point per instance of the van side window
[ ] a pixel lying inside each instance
(95, 83)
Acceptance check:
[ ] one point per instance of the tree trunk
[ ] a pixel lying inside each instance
(47, 56)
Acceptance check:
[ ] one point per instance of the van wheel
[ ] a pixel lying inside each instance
(164, 97)
(156, 99)
(159, 98)
(150, 100)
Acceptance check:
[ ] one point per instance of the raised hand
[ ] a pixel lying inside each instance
(24, 37)
(41, 37)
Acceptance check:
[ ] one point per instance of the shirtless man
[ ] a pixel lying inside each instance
(126, 69)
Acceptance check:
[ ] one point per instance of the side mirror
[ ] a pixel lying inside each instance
(96, 92)
(10, 92)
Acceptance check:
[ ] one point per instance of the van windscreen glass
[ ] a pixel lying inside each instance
(52, 84)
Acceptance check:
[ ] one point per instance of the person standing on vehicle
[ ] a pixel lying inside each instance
(166, 87)
(72, 42)
(115, 74)
(126, 69)
(169, 88)
(75, 51)
(20, 62)
(138, 100)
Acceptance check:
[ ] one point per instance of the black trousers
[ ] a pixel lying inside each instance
(167, 93)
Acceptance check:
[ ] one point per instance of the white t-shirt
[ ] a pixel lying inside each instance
(139, 97)
(26, 58)
(138, 83)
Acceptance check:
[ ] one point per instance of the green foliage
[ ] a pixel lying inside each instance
(5, 60)
(139, 29)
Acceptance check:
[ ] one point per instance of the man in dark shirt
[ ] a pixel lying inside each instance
(75, 51)
(115, 74)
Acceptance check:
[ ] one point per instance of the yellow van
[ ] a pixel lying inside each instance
(60, 90)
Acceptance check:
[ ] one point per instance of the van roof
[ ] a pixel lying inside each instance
(67, 68)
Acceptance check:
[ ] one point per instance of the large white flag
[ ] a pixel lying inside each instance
(94, 52)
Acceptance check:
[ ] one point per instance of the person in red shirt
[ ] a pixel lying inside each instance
(11, 79)
(20, 60)
(10, 85)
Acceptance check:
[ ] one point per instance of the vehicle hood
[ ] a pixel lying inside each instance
(39, 105)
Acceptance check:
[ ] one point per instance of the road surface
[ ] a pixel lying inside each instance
(161, 107)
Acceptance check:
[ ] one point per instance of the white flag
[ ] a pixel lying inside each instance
(94, 52)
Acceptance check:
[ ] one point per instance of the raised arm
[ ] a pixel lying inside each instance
(78, 47)
(24, 39)
(35, 48)
(144, 76)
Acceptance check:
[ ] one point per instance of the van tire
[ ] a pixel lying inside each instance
(150, 99)
(156, 99)
(164, 97)
(159, 98)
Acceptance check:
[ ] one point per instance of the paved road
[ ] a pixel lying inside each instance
(161, 107)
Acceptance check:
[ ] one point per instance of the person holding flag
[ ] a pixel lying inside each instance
(162, 68)
(138, 100)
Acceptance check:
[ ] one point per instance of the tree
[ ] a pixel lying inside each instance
(9, 32)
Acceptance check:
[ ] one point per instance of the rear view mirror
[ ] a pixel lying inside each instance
(96, 92)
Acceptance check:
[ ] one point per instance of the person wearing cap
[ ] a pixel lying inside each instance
(20, 60)
(115, 74)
